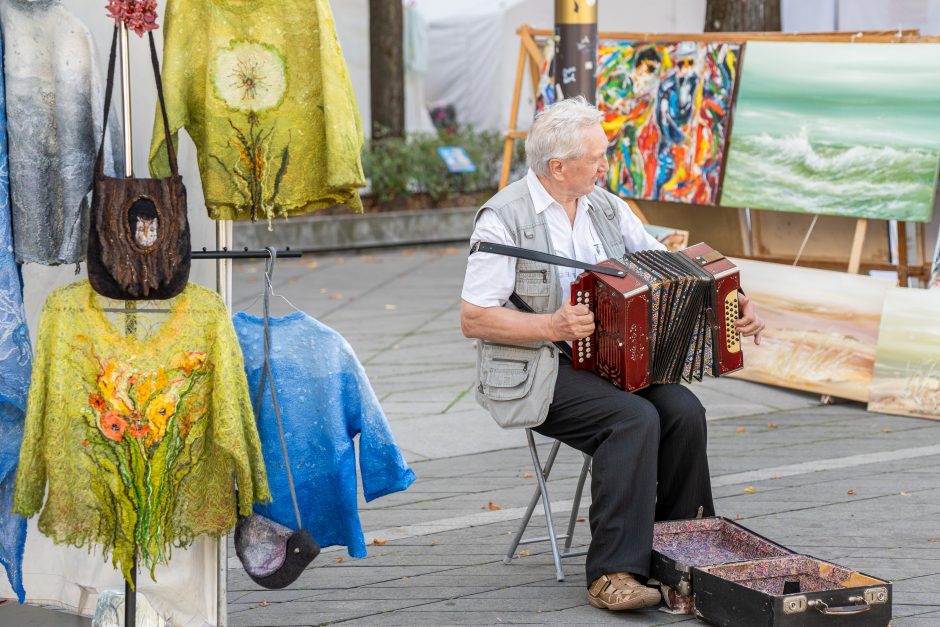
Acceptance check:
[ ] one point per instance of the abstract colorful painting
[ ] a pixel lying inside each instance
(837, 129)
(822, 328)
(907, 366)
(666, 110)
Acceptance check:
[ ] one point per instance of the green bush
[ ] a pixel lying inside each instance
(397, 167)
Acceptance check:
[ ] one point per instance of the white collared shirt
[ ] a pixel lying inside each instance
(490, 279)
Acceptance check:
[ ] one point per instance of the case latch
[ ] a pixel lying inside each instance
(794, 605)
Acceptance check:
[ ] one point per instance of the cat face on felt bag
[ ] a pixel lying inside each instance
(139, 244)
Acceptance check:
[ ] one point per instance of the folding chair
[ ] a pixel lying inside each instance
(541, 492)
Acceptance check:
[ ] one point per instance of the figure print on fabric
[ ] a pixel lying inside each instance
(142, 425)
(53, 109)
(326, 400)
(15, 366)
(268, 103)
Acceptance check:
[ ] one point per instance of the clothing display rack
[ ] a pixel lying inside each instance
(223, 256)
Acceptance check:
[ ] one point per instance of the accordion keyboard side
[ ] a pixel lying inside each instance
(618, 350)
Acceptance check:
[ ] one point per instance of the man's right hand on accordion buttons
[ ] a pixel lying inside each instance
(572, 322)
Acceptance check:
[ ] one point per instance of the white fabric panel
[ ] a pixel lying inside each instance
(474, 48)
(890, 14)
(807, 16)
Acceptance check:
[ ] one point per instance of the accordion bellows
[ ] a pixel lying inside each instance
(670, 319)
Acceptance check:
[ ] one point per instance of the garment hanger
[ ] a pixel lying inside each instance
(269, 282)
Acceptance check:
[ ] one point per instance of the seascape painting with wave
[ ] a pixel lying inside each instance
(837, 129)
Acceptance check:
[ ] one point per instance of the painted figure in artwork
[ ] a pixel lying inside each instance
(674, 116)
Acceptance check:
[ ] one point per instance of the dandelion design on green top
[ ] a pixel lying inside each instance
(137, 432)
(251, 78)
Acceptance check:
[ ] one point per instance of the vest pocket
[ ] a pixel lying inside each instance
(532, 278)
(506, 371)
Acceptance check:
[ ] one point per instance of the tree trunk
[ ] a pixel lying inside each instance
(387, 68)
(742, 15)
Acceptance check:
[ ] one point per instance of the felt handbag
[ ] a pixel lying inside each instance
(273, 555)
(138, 241)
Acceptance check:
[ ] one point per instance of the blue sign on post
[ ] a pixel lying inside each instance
(456, 158)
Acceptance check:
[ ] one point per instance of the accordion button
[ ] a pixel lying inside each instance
(580, 293)
(580, 360)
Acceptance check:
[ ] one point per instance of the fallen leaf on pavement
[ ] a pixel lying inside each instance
(378, 542)
(739, 517)
(886, 430)
(451, 251)
(492, 506)
(366, 258)
(339, 560)
(264, 603)
(390, 307)
(771, 425)
(907, 493)
(336, 297)
(776, 477)
(312, 265)
(527, 475)
(851, 492)
(579, 519)
(523, 553)
(340, 260)
(750, 490)
(434, 542)
(740, 429)
(407, 252)
(323, 290)
(933, 540)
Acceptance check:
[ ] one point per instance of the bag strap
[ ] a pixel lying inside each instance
(267, 376)
(534, 255)
(521, 305)
(109, 89)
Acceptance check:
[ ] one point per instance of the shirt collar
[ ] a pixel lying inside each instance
(541, 199)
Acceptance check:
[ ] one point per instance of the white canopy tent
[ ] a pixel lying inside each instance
(472, 50)
(824, 15)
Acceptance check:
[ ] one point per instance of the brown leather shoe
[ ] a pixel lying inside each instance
(620, 591)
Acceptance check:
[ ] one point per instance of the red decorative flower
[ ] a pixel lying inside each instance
(138, 430)
(112, 426)
(139, 15)
(97, 403)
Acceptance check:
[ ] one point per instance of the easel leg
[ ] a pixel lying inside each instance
(903, 267)
(855, 257)
(513, 118)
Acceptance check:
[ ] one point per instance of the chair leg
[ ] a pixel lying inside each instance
(576, 504)
(546, 504)
(524, 523)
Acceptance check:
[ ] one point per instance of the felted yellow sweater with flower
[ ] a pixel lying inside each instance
(262, 89)
(140, 440)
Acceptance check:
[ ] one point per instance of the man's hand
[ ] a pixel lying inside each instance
(749, 323)
(572, 322)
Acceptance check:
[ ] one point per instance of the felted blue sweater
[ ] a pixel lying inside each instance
(326, 401)
(15, 368)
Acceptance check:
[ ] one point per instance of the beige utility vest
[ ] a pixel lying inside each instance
(516, 383)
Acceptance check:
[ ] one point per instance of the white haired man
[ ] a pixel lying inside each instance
(649, 446)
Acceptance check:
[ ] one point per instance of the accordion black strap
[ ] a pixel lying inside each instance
(521, 305)
(534, 255)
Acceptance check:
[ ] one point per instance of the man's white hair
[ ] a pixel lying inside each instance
(557, 133)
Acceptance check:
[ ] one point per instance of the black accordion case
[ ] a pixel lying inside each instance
(728, 575)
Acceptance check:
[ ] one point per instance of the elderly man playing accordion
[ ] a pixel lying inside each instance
(648, 447)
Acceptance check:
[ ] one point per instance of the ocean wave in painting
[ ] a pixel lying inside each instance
(794, 173)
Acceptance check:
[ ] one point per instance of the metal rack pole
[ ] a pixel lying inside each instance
(223, 282)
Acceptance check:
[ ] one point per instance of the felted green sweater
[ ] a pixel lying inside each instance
(140, 439)
(262, 88)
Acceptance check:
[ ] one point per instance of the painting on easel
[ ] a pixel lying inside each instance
(836, 128)
(822, 328)
(666, 110)
(907, 365)
(934, 281)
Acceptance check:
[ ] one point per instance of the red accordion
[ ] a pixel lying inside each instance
(670, 318)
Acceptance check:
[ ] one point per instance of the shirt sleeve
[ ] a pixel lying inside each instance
(381, 465)
(31, 473)
(635, 237)
(233, 421)
(489, 279)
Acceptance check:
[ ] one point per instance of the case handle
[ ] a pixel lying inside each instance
(859, 606)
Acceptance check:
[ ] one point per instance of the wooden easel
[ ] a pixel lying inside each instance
(529, 50)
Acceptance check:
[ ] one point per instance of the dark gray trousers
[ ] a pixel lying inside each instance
(649, 462)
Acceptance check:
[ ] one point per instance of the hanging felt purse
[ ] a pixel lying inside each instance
(273, 555)
(138, 243)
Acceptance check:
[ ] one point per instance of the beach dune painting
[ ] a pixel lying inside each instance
(836, 128)
(822, 328)
(907, 365)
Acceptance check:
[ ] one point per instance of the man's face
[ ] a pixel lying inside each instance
(578, 176)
